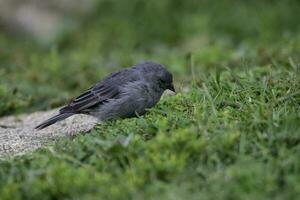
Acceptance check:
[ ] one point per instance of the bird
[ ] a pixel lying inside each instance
(126, 93)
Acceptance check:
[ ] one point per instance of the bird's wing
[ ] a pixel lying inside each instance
(109, 88)
(97, 94)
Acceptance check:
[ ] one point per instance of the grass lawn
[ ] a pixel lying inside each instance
(231, 132)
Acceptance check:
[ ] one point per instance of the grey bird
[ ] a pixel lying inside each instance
(125, 93)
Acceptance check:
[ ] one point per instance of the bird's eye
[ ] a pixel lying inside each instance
(162, 81)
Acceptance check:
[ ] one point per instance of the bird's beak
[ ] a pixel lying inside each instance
(171, 87)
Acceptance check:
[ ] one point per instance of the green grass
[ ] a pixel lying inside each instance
(232, 131)
(234, 135)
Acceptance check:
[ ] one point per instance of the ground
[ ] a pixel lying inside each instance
(231, 132)
(19, 136)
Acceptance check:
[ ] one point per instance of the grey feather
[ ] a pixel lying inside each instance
(53, 120)
(126, 93)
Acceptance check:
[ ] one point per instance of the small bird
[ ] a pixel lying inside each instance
(125, 93)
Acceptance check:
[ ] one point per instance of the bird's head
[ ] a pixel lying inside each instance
(159, 75)
(165, 80)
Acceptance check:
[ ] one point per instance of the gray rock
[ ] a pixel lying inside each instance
(18, 136)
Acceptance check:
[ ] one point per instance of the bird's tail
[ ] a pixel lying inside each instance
(53, 120)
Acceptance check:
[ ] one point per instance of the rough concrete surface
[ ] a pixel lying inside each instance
(18, 136)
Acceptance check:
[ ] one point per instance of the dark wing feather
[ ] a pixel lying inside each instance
(95, 95)
(101, 92)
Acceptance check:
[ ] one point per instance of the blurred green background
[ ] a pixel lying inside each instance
(115, 34)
